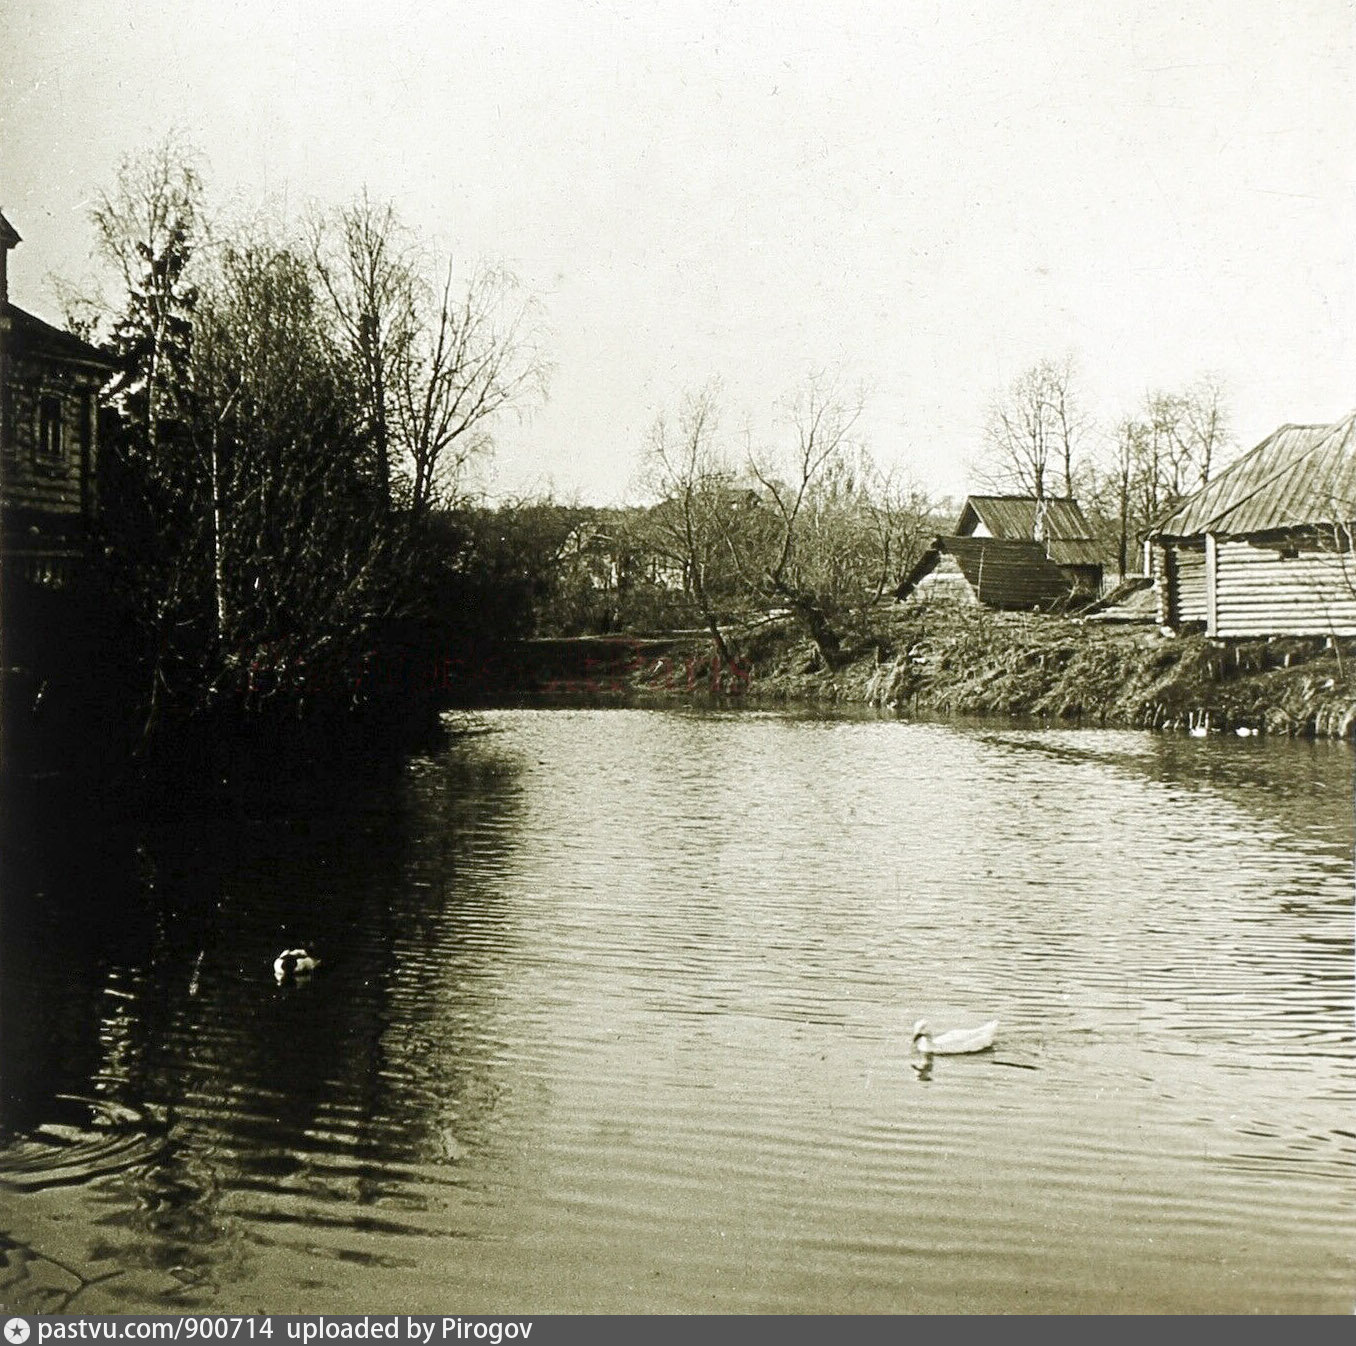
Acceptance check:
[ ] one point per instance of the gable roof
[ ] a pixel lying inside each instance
(1014, 517)
(1002, 572)
(31, 336)
(1300, 475)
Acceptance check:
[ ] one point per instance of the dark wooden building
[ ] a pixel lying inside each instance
(59, 691)
(49, 438)
(1266, 548)
(1012, 552)
(995, 572)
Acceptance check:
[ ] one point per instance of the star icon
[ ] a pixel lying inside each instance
(16, 1331)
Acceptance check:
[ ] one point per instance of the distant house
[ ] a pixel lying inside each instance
(1266, 547)
(49, 436)
(1013, 552)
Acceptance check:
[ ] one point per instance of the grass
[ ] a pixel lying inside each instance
(952, 659)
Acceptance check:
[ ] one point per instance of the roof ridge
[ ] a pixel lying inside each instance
(981, 495)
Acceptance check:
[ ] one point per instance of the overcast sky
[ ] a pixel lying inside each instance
(931, 195)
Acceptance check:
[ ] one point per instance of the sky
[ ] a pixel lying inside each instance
(926, 195)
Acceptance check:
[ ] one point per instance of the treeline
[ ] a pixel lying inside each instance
(807, 528)
(282, 482)
(1040, 439)
(287, 524)
(285, 483)
(694, 557)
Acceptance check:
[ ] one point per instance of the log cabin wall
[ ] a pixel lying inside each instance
(1184, 574)
(1264, 592)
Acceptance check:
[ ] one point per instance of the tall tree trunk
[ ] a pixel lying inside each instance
(218, 564)
(814, 620)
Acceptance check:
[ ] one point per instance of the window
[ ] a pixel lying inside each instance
(51, 446)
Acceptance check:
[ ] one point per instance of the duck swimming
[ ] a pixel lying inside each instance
(954, 1042)
(291, 964)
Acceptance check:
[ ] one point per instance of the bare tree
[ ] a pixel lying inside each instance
(433, 363)
(899, 510)
(364, 259)
(1034, 432)
(1208, 424)
(1162, 453)
(473, 353)
(686, 468)
(1070, 419)
(1127, 444)
(822, 418)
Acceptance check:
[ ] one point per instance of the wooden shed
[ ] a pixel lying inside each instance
(997, 572)
(1014, 552)
(1056, 521)
(1266, 548)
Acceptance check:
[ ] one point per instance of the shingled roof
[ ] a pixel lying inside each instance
(1001, 572)
(1299, 476)
(1014, 517)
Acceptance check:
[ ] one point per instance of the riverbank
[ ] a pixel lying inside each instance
(972, 661)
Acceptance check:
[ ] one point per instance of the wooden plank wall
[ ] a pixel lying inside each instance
(1262, 593)
(58, 487)
(1187, 578)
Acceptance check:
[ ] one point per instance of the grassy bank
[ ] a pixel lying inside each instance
(956, 660)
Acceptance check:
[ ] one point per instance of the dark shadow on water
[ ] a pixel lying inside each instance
(139, 930)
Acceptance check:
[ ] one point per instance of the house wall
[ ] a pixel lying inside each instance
(1260, 592)
(60, 486)
(1184, 575)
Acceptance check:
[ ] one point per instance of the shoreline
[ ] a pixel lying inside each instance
(1035, 667)
(929, 662)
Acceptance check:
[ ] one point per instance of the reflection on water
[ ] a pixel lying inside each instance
(613, 1015)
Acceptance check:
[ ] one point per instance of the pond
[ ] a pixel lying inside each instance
(613, 1015)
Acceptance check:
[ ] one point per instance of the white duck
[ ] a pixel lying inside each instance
(292, 964)
(954, 1042)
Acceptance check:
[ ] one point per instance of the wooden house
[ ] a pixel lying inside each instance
(1012, 552)
(49, 436)
(1265, 549)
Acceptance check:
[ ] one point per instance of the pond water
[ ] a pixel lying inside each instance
(614, 1016)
